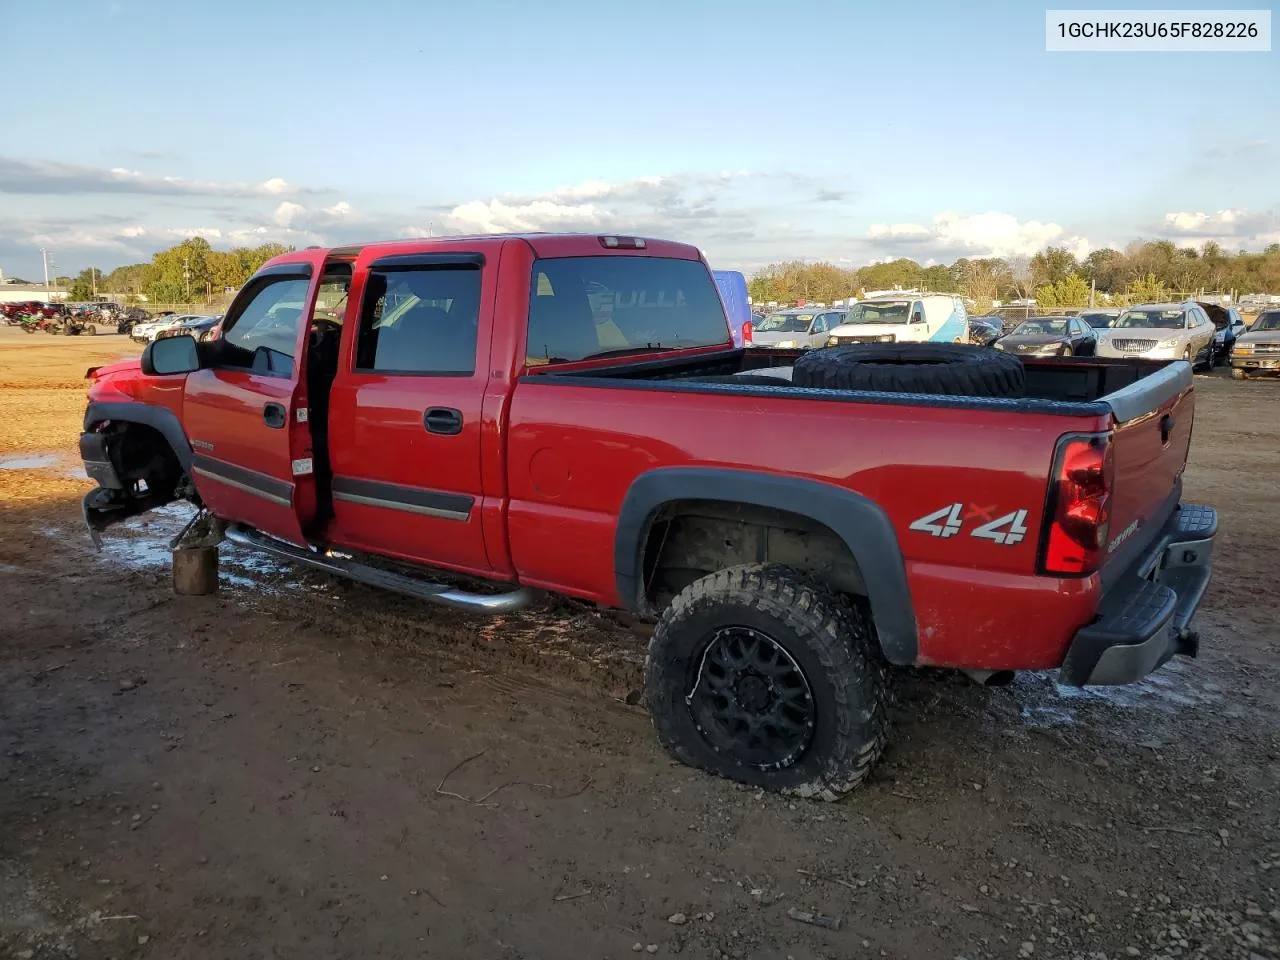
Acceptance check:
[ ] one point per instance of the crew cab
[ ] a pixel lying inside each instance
(568, 413)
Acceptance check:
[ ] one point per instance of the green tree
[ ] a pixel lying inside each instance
(1147, 289)
(1071, 291)
(181, 273)
(84, 286)
(1052, 265)
(128, 281)
(939, 280)
(1047, 296)
(981, 280)
(888, 276)
(1106, 268)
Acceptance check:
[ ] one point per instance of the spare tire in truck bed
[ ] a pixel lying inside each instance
(941, 368)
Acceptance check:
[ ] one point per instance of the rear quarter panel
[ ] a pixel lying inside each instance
(574, 450)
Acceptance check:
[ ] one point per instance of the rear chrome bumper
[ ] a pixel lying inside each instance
(1144, 618)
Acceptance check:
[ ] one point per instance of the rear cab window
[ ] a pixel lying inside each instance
(420, 319)
(583, 308)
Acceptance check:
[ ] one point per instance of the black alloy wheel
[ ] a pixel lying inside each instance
(750, 700)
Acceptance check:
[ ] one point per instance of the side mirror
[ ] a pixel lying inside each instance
(170, 355)
(916, 318)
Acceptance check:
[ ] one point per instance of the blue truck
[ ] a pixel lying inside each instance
(737, 303)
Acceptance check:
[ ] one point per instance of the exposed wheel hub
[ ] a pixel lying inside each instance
(750, 700)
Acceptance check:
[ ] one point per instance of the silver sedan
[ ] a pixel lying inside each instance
(1160, 331)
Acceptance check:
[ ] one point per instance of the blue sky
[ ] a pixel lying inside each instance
(760, 131)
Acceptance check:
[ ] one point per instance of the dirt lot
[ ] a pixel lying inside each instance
(306, 768)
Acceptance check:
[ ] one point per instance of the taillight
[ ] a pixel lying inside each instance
(1079, 513)
(746, 332)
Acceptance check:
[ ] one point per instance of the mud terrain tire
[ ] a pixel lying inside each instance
(934, 368)
(819, 633)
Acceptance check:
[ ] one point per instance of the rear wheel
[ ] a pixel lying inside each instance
(91, 330)
(759, 674)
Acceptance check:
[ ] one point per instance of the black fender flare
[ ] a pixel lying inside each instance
(858, 521)
(159, 418)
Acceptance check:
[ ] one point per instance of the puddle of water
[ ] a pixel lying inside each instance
(40, 461)
(142, 543)
(1173, 688)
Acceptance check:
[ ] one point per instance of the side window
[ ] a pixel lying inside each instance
(263, 336)
(421, 320)
(917, 313)
(822, 323)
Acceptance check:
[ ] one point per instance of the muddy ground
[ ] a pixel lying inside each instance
(300, 767)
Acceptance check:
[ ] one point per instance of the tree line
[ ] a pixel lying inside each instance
(188, 272)
(193, 271)
(1144, 272)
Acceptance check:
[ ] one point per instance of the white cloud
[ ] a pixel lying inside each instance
(1232, 229)
(991, 234)
(898, 231)
(53, 177)
(497, 216)
(287, 213)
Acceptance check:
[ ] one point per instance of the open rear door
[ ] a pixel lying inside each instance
(251, 443)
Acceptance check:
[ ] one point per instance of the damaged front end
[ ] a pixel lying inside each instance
(136, 470)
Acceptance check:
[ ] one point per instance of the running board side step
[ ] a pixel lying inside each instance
(399, 583)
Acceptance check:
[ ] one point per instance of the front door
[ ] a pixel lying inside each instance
(405, 412)
(251, 455)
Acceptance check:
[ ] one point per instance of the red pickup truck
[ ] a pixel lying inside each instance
(568, 413)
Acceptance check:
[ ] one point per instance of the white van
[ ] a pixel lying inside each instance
(911, 318)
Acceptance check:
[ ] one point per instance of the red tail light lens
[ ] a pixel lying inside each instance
(746, 332)
(1079, 513)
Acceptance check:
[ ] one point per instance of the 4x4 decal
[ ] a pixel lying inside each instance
(1007, 529)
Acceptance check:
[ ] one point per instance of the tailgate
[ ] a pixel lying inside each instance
(1151, 438)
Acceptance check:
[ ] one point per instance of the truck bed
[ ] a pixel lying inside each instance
(1084, 386)
(580, 439)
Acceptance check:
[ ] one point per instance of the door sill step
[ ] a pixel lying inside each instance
(491, 603)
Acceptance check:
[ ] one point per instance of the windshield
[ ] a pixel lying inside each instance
(1045, 326)
(585, 307)
(1098, 320)
(879, 313)
(1151, 319)
(1267, 321)
(785, 323)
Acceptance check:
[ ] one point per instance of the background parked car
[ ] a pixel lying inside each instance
(191, 326)
(802, 327)
(894, 318)
(1229, 325)
(1161, 331)
(985, 330)
(1050, 337)
(1100, 319)
(1257, 350)
(146, 332)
